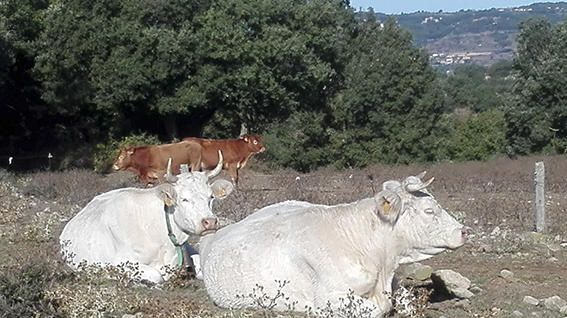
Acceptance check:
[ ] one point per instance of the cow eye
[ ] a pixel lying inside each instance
(429, 211)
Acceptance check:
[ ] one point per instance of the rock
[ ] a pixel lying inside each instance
(506, 274)
(476, 290)
(563, 310)
(554, 303)
(137, 315)
(516, 313)
(455, 283)
(496, 231)
(531, 300)
(417, 271)
(554, 247)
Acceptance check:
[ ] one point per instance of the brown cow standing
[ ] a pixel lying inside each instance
(150, 162)
(235, 152)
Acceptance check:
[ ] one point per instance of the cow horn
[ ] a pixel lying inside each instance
(213, 173)
(168, 176)
(421, 175)
(412, 184)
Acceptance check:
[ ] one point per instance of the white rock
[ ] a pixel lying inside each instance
(455, 283)
(516, 313)
(531, 300)
(506, 274)
(554, 303)
(563, 310)
(496, 231)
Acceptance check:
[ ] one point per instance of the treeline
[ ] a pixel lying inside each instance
(430, 26)
(322, 85)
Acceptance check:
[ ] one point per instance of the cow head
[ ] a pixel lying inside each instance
(123, 160)
(420, 224)
(254, 143)
(194, 197)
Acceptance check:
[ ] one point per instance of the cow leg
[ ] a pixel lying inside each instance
(383, 291)
(233, 172)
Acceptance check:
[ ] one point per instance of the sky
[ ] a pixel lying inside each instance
(407, 6)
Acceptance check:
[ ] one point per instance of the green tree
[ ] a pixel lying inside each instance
(470, 87)
(478, 137)
(22, 112)
(389, 107)
(265, 59)
(537, 116)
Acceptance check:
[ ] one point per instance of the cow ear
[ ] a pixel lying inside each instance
(388, 206)
(168, 194)
(221, 188)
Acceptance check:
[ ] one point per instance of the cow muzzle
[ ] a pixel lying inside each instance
(210, 225)
(115, 167)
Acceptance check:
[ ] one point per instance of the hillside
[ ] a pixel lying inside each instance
(481, 37)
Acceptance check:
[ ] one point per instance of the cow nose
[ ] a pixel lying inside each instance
(115, 167)
(209, 223)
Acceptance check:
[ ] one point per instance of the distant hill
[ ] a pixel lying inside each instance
(471, 36)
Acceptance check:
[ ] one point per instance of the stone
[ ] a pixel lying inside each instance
(476, 290)
(516, 313)
(455, 283)
(563, 310)
(506, 274)
(554, 303)
(417, 271)
(496, 231)
(531, 300)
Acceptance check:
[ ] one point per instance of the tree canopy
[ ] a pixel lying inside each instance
(323, 84)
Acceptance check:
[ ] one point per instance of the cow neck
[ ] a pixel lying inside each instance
(169, 209)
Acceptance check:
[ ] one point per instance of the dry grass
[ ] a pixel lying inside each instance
(34, 207)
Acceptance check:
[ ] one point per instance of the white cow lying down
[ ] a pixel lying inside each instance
(128, 225)
(325, 251)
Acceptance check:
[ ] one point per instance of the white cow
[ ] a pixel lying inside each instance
(129, 225)
(327, 252)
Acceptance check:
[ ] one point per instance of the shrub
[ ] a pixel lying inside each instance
(472, 137)
(106, 153)
(23, 291)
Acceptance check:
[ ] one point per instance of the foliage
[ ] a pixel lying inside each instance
(537, 115)
(322, 84)
(479, 137)
(23, 291)
(390, 103)
(107, 152)
(440, 24)
(300, 142)
(475, 87)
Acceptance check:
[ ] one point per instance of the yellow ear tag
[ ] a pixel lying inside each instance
(168, 200)
(386, 207)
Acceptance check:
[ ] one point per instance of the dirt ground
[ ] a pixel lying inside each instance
(494, 198)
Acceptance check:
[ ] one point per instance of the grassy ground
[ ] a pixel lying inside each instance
(493, 198)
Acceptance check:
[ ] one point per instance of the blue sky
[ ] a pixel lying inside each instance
(397, 6)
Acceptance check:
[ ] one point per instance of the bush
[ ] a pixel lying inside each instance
(478, 137)
(23, 291)
(106, 153)
(300, 142)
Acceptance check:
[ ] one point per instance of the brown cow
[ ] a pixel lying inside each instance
(235, 152)
(150, 162)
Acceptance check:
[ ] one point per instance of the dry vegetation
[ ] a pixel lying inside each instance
(483, 195)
